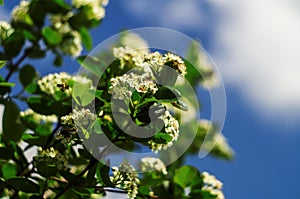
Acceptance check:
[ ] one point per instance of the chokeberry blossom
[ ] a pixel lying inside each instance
(125, 177)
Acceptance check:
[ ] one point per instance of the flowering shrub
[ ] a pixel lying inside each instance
(66, 118)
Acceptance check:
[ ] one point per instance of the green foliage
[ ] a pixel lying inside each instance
(60, 121)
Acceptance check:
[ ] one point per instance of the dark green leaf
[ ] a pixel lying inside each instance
(181, 105)
(23, 184)
(82, 191)
(12, 128)
(58, 61)
(86, 38)
(167, 94)
(27, 75)
(51, 36)
(14, 44)
(46, 170)
(1, 2)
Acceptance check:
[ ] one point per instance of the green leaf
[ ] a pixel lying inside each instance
(23, 184)
(82, 191)
(28, 35)
(46, 170)
(12, 128)
(1, 2)
(185, 176)
(162, 138)
(58, 61)
(8, 170)
(2, 63)
(14, 43)
(181, 105)
(7, 84)
(27, 75)
(92, 64)
(167, 94)
(82, 93)
(51, 36)
(86, 38)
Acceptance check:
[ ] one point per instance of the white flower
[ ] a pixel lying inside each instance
(48, 84)
(72, 44)
(123, 86)
(20, 12)
(57, 84)
(129, 56)
(151, 163)
(84, 120)
(51, 157)
(94, 8)
(38, 118)
(5, 30)
(212, 184)
(60, 22)
(175, 62)
(125, 177)
(171, 128)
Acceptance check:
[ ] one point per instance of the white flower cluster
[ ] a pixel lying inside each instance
(71, 44)
(140, 58)
(95, 8)
(130, 56)
(57, 84)
(151, 163)
(171, 128)
(5, 31)
(83, 119)
(20, 12)
(125, 177)
(212, 185)
(38, 118)
(50, 157)
(123, 86)
(48, 84)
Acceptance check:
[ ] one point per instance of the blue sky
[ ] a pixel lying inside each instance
(255, 45)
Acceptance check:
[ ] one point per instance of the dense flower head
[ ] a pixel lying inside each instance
(212, 185)
(38, 118)
(129, 56)
(57, 84)
(5, 30)
(48, 84)
(171, 127)
(60, 22)
(175, 62)
(84, 120)
(123, 86)
(19, 13)
(151, 163)
(125, 177)
(51, 157)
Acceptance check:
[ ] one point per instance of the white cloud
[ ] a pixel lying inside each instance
(256, 45)
(177, 14)
(258, 52)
